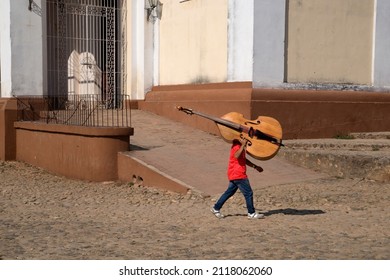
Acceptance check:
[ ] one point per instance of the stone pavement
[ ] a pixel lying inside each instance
(198, 159)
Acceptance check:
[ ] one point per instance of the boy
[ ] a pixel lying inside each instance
(238, 179)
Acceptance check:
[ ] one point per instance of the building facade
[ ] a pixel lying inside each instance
(276, 43)
(253, 56)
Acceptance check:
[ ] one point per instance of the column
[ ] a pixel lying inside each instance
(269, 42)
(240, 41)
(381, 57)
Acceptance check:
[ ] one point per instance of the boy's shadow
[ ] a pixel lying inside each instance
(290, 211)
(286, 211)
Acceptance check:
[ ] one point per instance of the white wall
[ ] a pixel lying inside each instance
(5, 48)
(240, 41)
(382, 44)
(140, 51)
(148, 58)
(269, 42)
(21, 49)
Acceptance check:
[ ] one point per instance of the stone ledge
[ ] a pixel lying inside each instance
(75, 130)
(358, 158)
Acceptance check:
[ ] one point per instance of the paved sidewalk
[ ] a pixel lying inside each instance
(199, 159)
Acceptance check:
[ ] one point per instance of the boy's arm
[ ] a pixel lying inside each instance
(251, 164)
(238, 153)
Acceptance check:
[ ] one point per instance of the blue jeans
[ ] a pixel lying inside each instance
(246, 190)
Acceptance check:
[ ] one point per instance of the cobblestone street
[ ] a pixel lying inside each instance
(43, 216)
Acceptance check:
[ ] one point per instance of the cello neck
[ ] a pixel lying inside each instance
(220, 121)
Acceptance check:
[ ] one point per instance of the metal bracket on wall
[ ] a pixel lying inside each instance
(33, 7)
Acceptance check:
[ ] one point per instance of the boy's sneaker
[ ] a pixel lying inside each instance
(255, 216)
(217, 213)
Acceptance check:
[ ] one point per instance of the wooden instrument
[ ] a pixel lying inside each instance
(264, 134)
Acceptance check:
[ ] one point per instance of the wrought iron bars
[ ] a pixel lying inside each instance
(76, 109)
(86, 47)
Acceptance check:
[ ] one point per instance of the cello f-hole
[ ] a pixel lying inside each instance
(255, 123)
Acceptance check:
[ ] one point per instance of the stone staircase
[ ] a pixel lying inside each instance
(359, 155)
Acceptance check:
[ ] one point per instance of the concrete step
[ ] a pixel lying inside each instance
(367, 155)
(363, 144)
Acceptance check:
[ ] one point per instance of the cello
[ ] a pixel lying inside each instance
(264, 134)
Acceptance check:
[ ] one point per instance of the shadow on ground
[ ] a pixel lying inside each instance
(290, 211)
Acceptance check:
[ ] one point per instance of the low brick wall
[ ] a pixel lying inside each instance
(306, 114)
(213, 99)
(8, 114)
(303, 114)
(86, 153)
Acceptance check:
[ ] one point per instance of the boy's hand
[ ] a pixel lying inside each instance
(244, 141)
(258, 168)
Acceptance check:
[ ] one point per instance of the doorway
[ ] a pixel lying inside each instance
(86, 49)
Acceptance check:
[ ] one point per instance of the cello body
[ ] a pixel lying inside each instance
(258, 147)
(264, 134)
